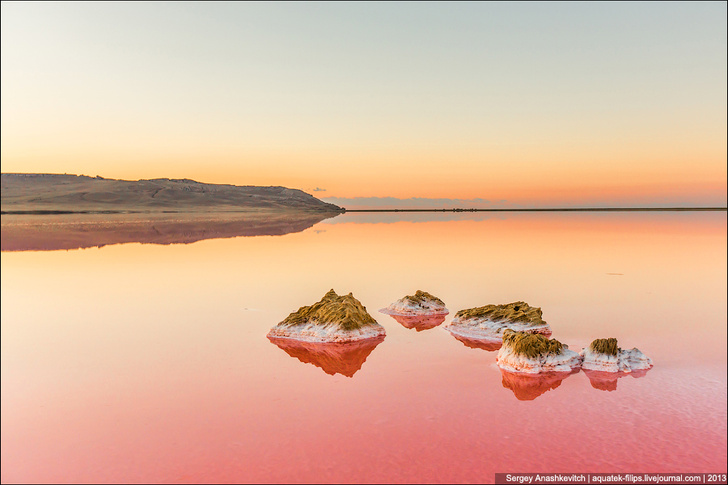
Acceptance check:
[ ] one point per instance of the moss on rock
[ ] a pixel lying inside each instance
(421, 297)
(518, 311)
(531, 345)
(344, 311)
(607, 346)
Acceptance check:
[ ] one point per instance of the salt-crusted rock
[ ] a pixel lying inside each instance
(533, 353)
(333, 319)
(604, 355)
(420, 322)
(421, 303)
(488, 322)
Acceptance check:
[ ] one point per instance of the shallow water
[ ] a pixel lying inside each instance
(149, 362)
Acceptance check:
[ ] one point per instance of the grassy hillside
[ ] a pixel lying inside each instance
(51, 193)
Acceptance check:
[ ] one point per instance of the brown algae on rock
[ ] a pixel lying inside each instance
(489, 321)
(518, 311)
(345, 311)
(607, 346)
(531, 345)
(335, 318)
(421, 297)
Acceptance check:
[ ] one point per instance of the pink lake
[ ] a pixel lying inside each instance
(150, 363)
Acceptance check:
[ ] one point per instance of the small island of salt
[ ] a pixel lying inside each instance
(604, 355)
(332, 319)
(533, 353)
(490, 321)
(421, 303)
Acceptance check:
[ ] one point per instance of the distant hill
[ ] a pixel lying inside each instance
(56, 193)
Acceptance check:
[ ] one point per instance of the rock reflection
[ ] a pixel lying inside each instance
(527, 387)
(333, 357)
(607, 381)
(419, 322)
(489, 345)
(77, 231)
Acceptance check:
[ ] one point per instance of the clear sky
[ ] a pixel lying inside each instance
(529, 103)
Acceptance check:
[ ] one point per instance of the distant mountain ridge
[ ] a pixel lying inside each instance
(63, 193)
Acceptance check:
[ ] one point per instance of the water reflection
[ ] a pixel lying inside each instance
(489, 345)
(607, 381)
(74, 231)
(419, 322)
(158, 394)
(527, 387)
(334, 358)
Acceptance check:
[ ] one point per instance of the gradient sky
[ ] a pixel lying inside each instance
(531, 103)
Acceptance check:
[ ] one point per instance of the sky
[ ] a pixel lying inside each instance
(512, 104)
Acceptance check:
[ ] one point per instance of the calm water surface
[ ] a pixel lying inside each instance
(147, 362)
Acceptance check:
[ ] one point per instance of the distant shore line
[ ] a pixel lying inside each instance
(556, 209)
(256, 210)
(553, 209)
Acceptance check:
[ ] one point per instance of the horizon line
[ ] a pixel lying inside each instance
(552, 209)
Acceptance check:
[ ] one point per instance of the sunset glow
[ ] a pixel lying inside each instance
(535, 104)
(364, 242)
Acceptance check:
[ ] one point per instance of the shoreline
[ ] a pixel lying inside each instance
(556, 209)
(47, 212)
(251, 210)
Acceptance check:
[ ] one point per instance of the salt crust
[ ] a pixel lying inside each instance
(315, 332)
(486, 329)
(566, 361)
(403, 306)
(625, 361)
(420, 322)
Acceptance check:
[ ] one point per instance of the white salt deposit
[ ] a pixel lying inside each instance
(314, 332)
(566, 361)
(486, 329)
(405, 306)
(624, 361)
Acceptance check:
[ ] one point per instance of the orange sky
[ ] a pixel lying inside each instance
(553, 104)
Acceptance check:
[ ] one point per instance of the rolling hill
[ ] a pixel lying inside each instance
(62, 193)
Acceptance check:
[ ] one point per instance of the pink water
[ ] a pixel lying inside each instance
(143, 362)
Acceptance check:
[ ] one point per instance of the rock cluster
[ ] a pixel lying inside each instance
(532, 362)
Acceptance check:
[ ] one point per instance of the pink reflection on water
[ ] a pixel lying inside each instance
(419, 322)
(527, 387)
(489, 345)
(110, 376)
(607, 381)
(334, 358)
